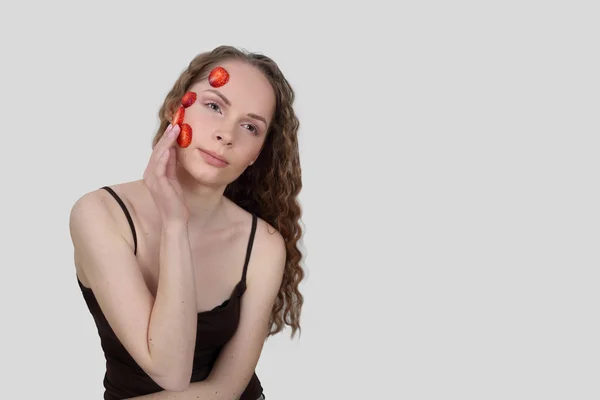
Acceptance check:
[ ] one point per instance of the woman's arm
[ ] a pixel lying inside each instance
(238, 359)
(158, 333)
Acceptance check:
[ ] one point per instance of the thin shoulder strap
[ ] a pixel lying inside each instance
(250, 243)
(127, 215)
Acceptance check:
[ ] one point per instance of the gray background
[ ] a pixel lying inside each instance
(450, 161)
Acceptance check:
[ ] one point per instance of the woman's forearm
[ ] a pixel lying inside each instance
(173, 322)
(196, 391)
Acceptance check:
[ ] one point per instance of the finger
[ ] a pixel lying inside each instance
(171, 163)
(161, 164)
(166, 141)
(152, 174)
(159, 147)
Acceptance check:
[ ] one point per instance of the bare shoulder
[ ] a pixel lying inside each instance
(268, 238)
(93, 213)
(100, 201)
(268, 255)
(89, 208)
(98, 206)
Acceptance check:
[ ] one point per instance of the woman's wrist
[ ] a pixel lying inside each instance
(175, 227)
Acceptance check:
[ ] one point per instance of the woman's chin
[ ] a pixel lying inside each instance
(207, 175)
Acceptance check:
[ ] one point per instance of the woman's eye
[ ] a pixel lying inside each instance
(252, 128)
(214, 106)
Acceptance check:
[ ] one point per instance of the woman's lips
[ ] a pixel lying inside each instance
(213, 158)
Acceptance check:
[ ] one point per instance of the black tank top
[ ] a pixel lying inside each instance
(124, 378)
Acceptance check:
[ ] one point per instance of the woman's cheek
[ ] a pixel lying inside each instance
(200, 119)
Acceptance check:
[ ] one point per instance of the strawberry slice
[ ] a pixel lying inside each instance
(178, 117)
(218, 77)
(185, 136)
(188, 99)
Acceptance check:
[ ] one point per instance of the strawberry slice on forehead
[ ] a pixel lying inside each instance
(218, 77)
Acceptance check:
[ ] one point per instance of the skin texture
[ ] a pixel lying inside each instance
(217, 228)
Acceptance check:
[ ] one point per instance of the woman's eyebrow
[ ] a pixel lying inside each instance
(226, 100)
(258, 117)
(221, 95)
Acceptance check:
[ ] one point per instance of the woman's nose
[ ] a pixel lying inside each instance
(224, 136)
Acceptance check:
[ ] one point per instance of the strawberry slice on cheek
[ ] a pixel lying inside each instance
(185, 136)
(188, 99)
(178, 117)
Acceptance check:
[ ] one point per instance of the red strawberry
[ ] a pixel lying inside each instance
(218, 77)
(178, 117)
(188, 99)
(185, 136)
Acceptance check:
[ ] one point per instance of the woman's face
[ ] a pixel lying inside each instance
(230, 121)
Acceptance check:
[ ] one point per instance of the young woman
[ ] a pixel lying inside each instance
(187, 271)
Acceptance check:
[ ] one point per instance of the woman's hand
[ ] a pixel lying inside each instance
(161, 179)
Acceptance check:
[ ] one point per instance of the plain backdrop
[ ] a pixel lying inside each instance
(450, 164)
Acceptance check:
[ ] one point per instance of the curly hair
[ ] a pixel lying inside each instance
(270, 187)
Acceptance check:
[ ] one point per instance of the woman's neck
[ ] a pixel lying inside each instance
(205, 203)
